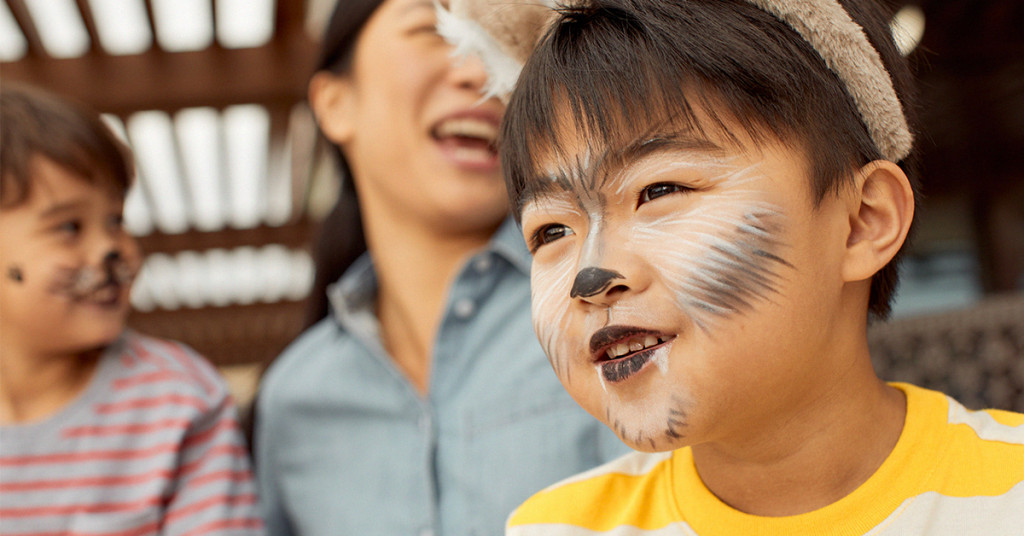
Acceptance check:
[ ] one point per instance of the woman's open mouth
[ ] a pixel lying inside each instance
(622, 351)
(468, 141)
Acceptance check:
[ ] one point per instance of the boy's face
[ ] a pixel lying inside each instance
(683, 287)
(67, 264)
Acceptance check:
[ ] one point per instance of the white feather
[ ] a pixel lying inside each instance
(469, 38)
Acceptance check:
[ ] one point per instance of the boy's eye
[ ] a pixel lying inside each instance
(547, 234)
(662, 189)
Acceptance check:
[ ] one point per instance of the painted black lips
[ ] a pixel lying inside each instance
(620, 368)
(609, 335)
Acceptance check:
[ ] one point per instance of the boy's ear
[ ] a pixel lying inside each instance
(330, 97)
(881, 210)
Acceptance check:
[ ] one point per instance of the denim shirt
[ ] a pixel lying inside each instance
(346, 445)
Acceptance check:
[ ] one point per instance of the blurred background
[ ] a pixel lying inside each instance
(232, 179)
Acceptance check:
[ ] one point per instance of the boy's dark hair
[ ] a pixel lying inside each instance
(619, 68)
(34, 122)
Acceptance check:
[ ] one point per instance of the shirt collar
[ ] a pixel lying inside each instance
(508, 243)
(355, 291)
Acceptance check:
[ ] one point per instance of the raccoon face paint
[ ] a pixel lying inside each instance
(652, 270)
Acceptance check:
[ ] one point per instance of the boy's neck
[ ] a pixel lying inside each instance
(812, 457)
(35, 385)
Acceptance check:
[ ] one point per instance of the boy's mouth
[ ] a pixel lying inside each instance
(621, 351)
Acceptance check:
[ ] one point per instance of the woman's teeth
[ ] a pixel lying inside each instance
(468, 128)
(633, 345)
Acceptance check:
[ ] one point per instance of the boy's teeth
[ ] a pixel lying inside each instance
(632, 345)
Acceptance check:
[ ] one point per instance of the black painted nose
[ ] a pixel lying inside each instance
(592, 280)
(112, 257)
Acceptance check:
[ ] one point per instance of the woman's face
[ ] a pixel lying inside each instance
(410, 121)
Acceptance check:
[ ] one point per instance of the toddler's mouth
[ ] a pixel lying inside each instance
(622, 351)
(106, 296)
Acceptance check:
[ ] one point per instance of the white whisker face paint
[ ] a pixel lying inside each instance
(641, 267)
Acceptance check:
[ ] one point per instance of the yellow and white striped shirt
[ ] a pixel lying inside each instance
(953, 472)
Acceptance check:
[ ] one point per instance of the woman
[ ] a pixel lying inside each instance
(422, 404)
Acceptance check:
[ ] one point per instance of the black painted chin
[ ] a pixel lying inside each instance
(619, 369)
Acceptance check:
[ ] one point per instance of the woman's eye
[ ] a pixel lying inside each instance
(655, 191)
(548, 234)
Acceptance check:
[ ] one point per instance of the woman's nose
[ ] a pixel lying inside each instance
(468, 72)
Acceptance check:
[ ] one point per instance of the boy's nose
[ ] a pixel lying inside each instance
(591, 281)
(599, 286)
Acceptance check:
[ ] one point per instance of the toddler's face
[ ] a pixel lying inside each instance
(67, 264)
(680, 282)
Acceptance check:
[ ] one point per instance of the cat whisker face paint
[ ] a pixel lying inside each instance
(662, 281)
(95, 283)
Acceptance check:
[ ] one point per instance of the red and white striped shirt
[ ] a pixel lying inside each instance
(152, 446)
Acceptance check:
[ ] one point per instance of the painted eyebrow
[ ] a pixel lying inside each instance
(543, 186)
(660, 143)
(642, 147)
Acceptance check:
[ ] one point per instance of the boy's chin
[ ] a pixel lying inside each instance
(657, 445)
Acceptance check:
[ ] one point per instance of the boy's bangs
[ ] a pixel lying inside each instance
(612, 74)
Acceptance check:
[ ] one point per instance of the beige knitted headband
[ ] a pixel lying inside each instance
(504, 32)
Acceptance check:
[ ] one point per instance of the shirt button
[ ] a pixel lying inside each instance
(482, 263)
(464, 308)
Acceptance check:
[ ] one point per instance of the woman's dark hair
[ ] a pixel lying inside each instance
(340, 240)
(620, 67)
(34, 122)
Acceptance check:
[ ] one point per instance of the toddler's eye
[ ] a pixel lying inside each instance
(115, 221)
(661, 189)
(70, 227)
(548, 234)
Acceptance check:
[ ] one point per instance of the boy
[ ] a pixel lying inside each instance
(714, 194)
(102, 430)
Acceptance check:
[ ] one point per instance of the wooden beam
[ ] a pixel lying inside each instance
(274, 75)
(90, 26)
(295, 235)
(231, 335)
(290, 16)
(151, 19)
(28, 28)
